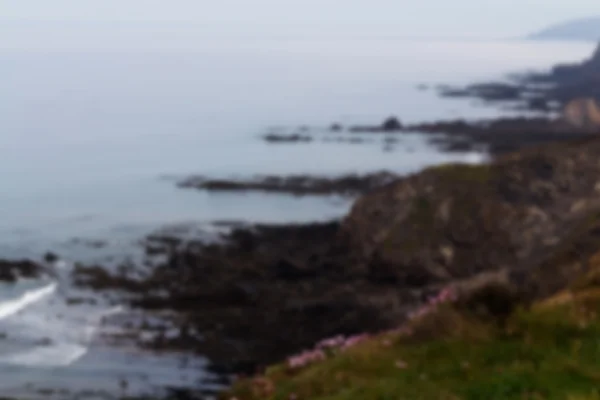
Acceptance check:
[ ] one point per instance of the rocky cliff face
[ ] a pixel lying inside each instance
(453, 222)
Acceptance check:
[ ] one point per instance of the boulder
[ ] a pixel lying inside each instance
(11, 271)
(583, 113)
(392, 124)
(336, 128)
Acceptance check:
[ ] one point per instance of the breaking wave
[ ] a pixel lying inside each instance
(13, 306)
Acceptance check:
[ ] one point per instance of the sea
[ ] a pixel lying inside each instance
(94, 139)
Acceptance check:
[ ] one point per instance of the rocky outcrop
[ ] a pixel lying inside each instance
(298, 185)
(583, 113)
(501, 135)
(541, 92)
(284, 138)
(574, 73)
(390, 124)
(11, 271)
(456, 221)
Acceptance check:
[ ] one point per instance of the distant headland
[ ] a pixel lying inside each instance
(587, 29)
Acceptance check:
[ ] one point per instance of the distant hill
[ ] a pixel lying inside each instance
(581, 29)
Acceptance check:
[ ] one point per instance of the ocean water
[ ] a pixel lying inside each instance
(92, 140)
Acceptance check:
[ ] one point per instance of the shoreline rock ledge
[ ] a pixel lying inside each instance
(275, 290)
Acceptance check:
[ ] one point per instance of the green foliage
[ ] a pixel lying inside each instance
(454, 173)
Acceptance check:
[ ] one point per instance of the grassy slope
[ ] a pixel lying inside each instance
(550, 351)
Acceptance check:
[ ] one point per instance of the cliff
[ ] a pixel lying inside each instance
(515, 242)
(581, 29)
(455, 221)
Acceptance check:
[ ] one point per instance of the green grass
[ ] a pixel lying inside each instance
(551, 352)
(454, 173)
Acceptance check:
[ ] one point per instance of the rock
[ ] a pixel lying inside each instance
(400, 226)
(540, 91)
(336, 128)
(391, 124)
(583, 113)
(10, 271)
(499, 136)
(299, 185)
(282, 138)
(51, 258)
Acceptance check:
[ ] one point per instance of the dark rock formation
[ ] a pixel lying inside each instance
(456, 221)
(539, 91)
(282, 138)
(501, 135)
(391, 124)
(298, 185)
(11, 271)
(51, 257)
(487, 91)
(336, 128)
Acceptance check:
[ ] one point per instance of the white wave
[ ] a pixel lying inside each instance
(475, 158)
(11, 307)
(56, 355)
(71, 336)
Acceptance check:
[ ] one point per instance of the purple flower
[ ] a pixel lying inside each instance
(305, 358)
(354, 340)
(330, 343)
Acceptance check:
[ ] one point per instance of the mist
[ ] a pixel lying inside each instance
(181, 24)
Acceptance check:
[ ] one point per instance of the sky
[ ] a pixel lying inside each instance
(422, 18)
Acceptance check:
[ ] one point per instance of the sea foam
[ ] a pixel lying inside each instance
(13, 306)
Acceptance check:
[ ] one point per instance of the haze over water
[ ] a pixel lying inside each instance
(88, 133)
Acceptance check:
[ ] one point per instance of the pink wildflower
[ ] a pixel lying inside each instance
(401, 364)
(305, 358)
(333, 342)
(354, 340)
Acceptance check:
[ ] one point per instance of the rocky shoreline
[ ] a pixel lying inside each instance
(502, 135)
(265, 292)
(544, 92)
(297, 185)
(522, 224)
(11, 271)
(567, 90)
(493, 136)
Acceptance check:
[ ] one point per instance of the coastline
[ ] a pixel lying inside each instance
(253, 268)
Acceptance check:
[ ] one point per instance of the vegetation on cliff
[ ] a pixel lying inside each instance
(518, 242)
(549, 350)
